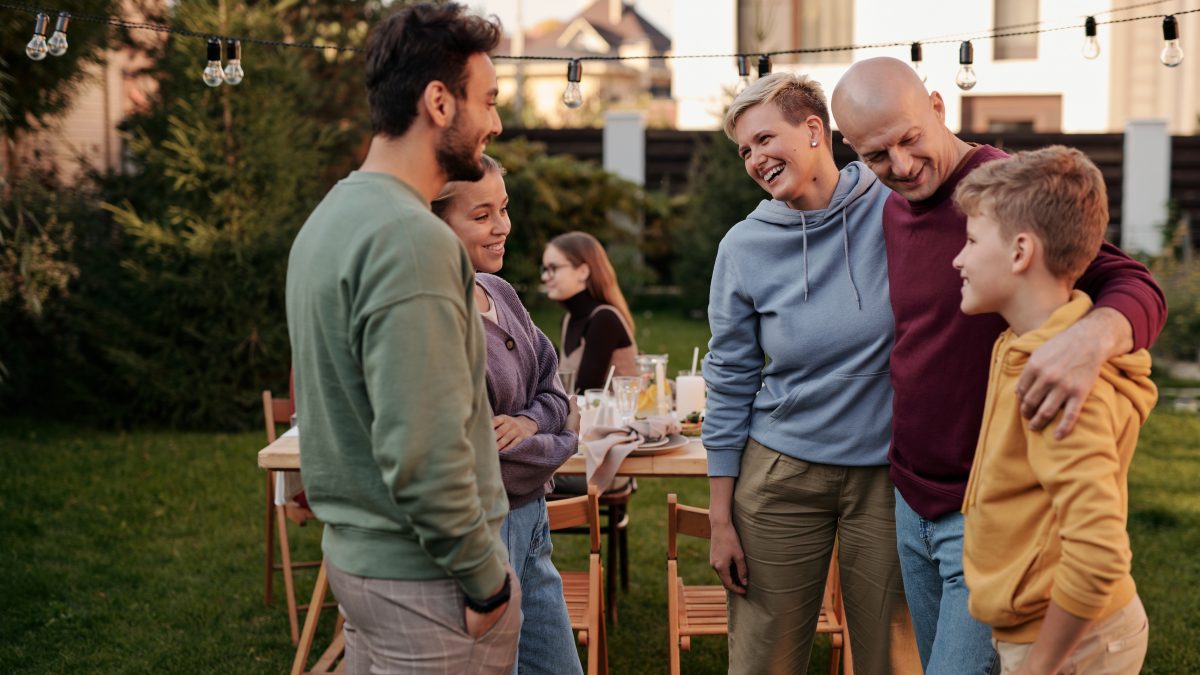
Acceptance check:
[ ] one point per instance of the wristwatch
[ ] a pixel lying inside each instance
(491, 604)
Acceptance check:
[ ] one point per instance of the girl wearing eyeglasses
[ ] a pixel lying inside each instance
(536, 426)
(597, 331)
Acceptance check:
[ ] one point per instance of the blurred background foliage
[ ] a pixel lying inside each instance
(155, 295)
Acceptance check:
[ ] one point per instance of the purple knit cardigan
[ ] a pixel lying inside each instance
(522, 379)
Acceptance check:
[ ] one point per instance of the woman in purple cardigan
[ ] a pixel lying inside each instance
(536, 426)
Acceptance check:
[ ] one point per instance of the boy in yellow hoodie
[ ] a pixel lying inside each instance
(1046, 555)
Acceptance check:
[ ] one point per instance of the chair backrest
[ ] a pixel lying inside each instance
(276, 411)
(686, 520)
(577, 512)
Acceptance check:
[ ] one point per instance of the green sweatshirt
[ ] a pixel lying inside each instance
(397, 450)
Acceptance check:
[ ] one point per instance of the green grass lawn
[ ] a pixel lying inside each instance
(143, 552)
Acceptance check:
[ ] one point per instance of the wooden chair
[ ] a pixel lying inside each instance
(332, 659)
(277, 411)
(614, 512)
(583, 590)
(703, 609)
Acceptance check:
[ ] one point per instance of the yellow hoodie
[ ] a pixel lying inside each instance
(1045, 519)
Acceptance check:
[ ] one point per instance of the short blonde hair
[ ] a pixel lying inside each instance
(797, 96)
(441, 203)
(1056, 193)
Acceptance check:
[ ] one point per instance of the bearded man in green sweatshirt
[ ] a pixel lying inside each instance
(398, 454)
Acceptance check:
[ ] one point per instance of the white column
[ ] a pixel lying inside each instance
(1145, 185)
(625, 145)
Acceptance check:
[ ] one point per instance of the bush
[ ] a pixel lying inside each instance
(722, 196)
(1180, 281)
(550, 195)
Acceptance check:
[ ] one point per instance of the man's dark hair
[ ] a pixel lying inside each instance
(415, 46)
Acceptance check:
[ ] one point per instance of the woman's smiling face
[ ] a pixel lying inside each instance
(478, 214)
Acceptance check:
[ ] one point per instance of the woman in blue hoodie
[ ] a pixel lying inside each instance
(797, 448)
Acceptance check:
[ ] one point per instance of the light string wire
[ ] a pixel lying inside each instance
(1000, 32)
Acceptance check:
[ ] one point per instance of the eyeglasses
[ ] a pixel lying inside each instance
(552, 269)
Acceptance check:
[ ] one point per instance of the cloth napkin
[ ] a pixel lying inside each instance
(605, 447)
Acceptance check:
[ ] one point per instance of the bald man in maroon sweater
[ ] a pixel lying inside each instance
(940, 360)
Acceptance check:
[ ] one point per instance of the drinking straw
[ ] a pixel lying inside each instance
(608, 381)
(695, 357)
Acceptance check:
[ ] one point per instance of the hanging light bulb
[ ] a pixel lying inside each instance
(743, 66)
(764, 65)
(1172, 54)
(213, 76)
(57, 46)
(915, 53)
(233, 69)
(572, 97)
(1091, 46)
(966, 73)
(36, 49)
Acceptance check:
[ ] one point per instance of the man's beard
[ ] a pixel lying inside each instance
(456, 155)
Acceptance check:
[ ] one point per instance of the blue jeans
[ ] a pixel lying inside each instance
(547, 644)
(949, 639)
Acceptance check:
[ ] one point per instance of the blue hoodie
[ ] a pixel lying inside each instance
(806, 293)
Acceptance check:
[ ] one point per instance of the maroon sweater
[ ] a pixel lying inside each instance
(940, 359)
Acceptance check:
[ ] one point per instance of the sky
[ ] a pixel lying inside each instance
(533, 11)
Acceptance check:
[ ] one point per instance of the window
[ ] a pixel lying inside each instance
(1012, 114)
(775, 25)
(1008, 13)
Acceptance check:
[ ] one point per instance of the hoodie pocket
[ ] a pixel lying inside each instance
(789, 402)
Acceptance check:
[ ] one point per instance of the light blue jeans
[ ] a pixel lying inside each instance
(547, 644)
(949, 639)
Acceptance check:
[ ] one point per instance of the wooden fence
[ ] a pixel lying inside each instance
(669, 156)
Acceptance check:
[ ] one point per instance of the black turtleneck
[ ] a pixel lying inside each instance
(602, 334)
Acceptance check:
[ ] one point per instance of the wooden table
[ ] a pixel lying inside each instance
(690, 460)
(284, 455)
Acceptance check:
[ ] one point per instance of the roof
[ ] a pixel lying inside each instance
(594, 23)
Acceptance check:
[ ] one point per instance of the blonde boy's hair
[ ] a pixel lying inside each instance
(797, 96)
(1056, 193)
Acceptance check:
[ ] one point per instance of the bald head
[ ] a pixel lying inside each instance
(896, 126)
(872, 89)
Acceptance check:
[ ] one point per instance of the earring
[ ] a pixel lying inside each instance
(813, 143)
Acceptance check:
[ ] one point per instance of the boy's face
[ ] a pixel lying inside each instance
(986, 265)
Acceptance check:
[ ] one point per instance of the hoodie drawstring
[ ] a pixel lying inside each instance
(849, 273)
(804, 236)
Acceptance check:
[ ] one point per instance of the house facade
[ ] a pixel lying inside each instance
(1039, 83)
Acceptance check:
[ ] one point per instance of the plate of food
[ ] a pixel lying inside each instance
(663, 445)
(693, 424)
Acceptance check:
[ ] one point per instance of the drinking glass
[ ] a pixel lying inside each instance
(566, 377)
(593, 398)
(626, 391)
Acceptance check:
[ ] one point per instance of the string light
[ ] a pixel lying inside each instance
(966, 73)
(743, 66)
(36, 49)
(915, 53)
(1172, 54)
(1091, 46)
(57, 46)
(572, 96)
(213, 76)
(233, 69)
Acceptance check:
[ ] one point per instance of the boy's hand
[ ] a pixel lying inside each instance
(1060, 373)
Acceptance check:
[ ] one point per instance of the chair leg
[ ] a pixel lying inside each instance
(624, 554)
(289, 584)
(305, 643)
(269, 581)
(610, 580)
